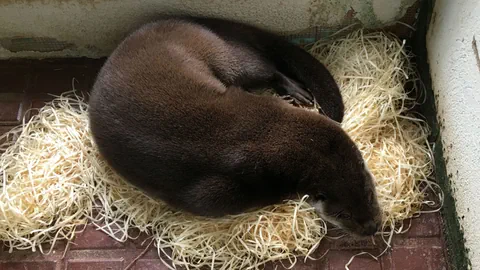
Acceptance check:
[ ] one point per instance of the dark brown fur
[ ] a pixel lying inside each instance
(170, 113)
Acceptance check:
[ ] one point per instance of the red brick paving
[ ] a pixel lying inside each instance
(26, 83)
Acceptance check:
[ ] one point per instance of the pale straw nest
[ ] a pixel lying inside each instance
(54, 181)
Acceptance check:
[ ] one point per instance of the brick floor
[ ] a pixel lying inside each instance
(25, 84)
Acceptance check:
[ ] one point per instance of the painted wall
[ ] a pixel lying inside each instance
(93, 27)
(455, 69)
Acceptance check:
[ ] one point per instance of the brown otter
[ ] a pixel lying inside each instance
(169, 112)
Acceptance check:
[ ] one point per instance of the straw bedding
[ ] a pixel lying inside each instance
(54, 181)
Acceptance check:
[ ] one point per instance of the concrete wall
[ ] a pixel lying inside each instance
(43, 28)
(455, 69)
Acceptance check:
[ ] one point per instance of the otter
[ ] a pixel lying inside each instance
(172, 113)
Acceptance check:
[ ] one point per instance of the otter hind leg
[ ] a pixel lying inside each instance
(259, 72)
(284, 85)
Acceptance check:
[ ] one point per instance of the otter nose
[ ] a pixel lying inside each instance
(370, 228)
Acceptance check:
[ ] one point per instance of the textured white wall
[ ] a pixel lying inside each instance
(95, 26)
(455, 70)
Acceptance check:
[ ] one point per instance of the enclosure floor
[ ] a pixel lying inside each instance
(26, 84)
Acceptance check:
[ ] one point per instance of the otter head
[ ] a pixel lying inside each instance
(339, 183)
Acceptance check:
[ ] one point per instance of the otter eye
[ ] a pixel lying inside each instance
(344, 216)
(320, 197)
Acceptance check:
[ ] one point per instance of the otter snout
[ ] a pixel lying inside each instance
(370, 228)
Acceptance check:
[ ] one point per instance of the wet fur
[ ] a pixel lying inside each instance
(170, 111)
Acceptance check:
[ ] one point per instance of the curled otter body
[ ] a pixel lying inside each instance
(170, 111)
